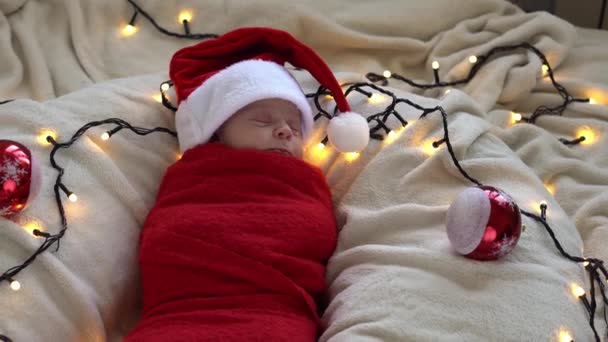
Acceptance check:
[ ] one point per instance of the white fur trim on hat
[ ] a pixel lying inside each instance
(231, 89)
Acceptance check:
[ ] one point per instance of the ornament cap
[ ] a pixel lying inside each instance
(467, 219)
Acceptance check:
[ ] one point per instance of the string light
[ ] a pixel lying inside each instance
(564, 336)
(43, 139)
(539, 111)
(428, 148)
(31, 227)
(15, 285)
(387, 74)
(130, 28)
(516, 117)
(351, 156)
(577, 291)
(438, 143)
(185, 17)
(588, 134)
(165, 86)
(108, 134)
(435, 66)
(473, 59)
(391, 136)
(447, 91)
(550, 188)
(375, 98)
(543, 209)
(545, 69)
(319, 151)
(592, 100)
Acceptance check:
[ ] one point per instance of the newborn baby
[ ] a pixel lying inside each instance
(236, 245)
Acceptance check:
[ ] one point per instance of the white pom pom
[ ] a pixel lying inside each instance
(348, 132)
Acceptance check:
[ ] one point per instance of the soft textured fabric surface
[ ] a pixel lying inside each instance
(235, 249)
(394, 276)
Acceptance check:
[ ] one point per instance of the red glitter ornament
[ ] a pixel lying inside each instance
(483, 223)
(15, 177)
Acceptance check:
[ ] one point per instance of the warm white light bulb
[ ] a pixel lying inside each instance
(564, 336)
(543, 203)
(435, 65)
(15, 285)
(105, 136)
(129, 30)
(320, 146)
(351, 156)
(375, 98)
(577, 291)
(545, 68)
(42, 138)
(517, 117)
(473, 59)
(592, 101)
(165, 86)
(387, 73)
(185, 15)
(73, 197)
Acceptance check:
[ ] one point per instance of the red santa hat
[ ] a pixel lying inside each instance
(215, 78)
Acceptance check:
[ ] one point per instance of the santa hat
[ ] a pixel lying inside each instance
(215, 78)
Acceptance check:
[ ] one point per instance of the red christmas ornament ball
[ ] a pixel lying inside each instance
(15, 177)
(483, 223)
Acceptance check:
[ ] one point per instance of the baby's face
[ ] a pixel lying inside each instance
(273, 125)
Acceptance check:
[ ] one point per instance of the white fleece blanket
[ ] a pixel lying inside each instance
(394, 276)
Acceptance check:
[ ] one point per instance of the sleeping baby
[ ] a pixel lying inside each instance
(235, 247)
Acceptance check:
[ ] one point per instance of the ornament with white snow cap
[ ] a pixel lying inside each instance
(15, 177)
(483, 223)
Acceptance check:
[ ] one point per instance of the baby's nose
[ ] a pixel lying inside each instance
(283, 132)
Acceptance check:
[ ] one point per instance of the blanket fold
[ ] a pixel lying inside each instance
(235, 248)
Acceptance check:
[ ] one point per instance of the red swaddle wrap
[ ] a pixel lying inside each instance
(235, 249)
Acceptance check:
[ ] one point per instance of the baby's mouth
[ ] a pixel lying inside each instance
(279, 150)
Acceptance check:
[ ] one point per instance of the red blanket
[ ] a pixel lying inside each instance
(235, 249)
